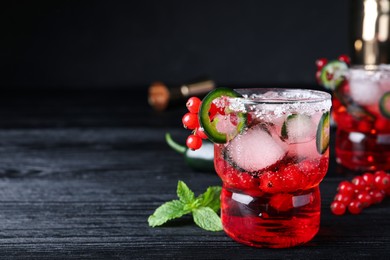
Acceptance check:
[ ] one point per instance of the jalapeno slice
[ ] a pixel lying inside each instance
(220, 126)
(322, 138)
(384, 105)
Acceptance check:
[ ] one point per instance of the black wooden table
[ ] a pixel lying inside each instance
(81, 171)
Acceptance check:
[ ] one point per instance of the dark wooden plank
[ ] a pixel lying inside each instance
(87, 192)
(81, 171)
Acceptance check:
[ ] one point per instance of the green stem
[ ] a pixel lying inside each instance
(175, 146)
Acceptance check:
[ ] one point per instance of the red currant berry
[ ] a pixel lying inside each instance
(221, 107)
(320, 63)
(287, 179)
(380, 173)
(193, 104)
(281, 201)
(338, 208)
(381, 181)
(200, 132)
(377, 196)
(355, 207)
(387, 191)
(190, 121)
(346, 188)
(318, 76)
(345, 58)
(194, 142)
(213, 111)
(343, 198)
(365, 198)
(359, 183)
(369, 179)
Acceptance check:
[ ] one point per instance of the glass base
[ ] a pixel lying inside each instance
(272, 220)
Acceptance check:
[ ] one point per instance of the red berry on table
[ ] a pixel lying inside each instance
(190, 121)
(380, 173)
(381, 180)
(387, 191)
(194, 142)
(343, 198)
(200, 132)
(363, 191)
(321, 63)
(369, 179)
(193, 104)
(365, 198)
(359, 183)
(355, 207)
(377, 196)
(345, 58)
(346, 188)
(338, 208)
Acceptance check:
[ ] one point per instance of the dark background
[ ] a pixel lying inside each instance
(132, 43)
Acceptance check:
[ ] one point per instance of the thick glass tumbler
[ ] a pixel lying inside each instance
(272, 168)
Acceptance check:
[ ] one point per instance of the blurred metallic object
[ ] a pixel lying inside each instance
(161, 96)
(370, 28)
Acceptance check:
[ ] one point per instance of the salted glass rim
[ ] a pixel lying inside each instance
(281, 95)
(371, 67)
(370, 72)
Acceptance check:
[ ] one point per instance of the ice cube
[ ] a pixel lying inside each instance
(224, 124)
(299, 128)
(384, 84)
(365, 91)
(303, 150)
(255, 149)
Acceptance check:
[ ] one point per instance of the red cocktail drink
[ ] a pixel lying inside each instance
(272, 167)
(361, 110)
(362, 114)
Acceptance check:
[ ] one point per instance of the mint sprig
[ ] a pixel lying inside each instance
(204, 208)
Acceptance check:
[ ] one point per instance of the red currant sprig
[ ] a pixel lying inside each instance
(322, 62)
(362, 192)
(191, 121)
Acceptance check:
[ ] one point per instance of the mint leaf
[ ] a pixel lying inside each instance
(167, 211)
(206, 218)
(184, 193)
(203, 208)
(211, 198)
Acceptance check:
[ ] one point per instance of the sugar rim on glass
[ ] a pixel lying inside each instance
(275, 102)
(368, 72)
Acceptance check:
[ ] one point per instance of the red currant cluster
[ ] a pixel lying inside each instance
(191, 121)
(320, 63)
(363, 191)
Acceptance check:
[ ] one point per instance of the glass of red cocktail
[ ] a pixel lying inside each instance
(361, 111)
(362, 114)
(271, 152)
